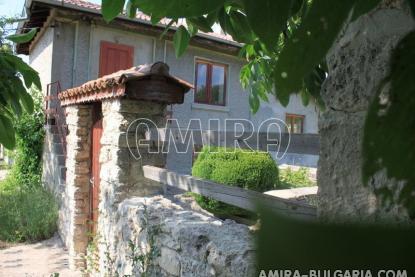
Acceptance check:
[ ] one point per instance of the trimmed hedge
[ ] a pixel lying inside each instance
(241, 168)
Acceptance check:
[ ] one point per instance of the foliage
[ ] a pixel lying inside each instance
(26, 214)
(15, 78)
(293, 244)
(290, 178)
(29, 145)
(285, 49)
(241, 168)
(286, 41)
(246, 169)
(27, 211)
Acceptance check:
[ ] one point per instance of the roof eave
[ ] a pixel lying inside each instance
(124, 17)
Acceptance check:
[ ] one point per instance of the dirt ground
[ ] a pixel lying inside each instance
(45, 258)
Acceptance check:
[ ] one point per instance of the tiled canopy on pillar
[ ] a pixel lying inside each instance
(144, 82)
(122, 97)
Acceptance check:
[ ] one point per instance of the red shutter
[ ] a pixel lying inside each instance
(114, 57)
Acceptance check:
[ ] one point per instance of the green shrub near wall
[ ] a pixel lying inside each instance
(27, 211)
(240, 168)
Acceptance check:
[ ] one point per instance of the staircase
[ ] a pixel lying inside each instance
(55, 138)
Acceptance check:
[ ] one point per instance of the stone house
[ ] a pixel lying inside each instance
(74, 45)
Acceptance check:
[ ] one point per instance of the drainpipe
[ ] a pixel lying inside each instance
(91, 38)
(154, 49)
(75, 52)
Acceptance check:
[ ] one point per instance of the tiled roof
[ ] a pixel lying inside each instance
(141, 16)
(113, 85)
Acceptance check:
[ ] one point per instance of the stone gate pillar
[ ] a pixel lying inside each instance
(125, 96)
(74, 215)
(357, 63)
(121, 169)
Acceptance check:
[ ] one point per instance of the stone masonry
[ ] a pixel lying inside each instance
(175, 241)
(121, 173)
(138, 230)
(79, 120)
(357, 63)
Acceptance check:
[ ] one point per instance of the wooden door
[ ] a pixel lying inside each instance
(95, 170)
(114, 57)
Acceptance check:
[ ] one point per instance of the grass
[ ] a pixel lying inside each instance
(4, 165)
(26, 214)
(290, 178)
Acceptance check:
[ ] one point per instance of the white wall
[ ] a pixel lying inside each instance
(40, 58)
(295, 106)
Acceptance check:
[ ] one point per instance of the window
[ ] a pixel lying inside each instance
(295, 123)
(210, 83)
(114, 57)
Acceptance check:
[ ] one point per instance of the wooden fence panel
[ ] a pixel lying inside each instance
(242, 198)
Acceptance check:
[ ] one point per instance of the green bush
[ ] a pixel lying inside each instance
(27, 211)
(26, 214)
(245, 169)
(27, 156)
(290, 178)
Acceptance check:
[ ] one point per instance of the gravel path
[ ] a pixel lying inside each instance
(40, 259)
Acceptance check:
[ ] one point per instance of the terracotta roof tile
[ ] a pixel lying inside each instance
(113, 85)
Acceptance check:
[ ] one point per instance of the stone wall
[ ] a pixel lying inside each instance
(173, 241)
(74, 208)
(132, 223)
(357, 63)
(121, 173)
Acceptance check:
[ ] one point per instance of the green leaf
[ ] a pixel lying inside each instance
(305, 97)
(282, 97)
(7, 137)
(191, 28)
(292, 244)
(363, 6)
(131, 9)
(245, 76)
(240, 31)
(167, 28)
(313, 83)
(24, 37)
(412, 7)
(296, 7)
(309, 44)
(389, 133)
(30, 76)
(268, 18)
(155, 19)
(201, 23)
(253, 102)
(261, 91)
(181, 40)
(111, 9)
(25, 98)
